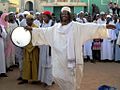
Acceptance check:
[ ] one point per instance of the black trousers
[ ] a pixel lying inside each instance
(96, 54)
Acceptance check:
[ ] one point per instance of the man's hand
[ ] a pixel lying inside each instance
(28, 28)
(110, 26)
(0, 29)
(119, 46)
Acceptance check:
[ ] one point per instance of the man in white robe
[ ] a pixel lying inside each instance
(118, 39)
(66, 42)
(108, 46)
(3, 35)
(45, 67)
(38, 20)
(87, 45)
(10, 47)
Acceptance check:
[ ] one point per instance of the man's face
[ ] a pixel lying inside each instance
(65, 16)
(29, 21)
(103, 17)
(21, 17)
(6, 18)
(45, 18)
(11, 17)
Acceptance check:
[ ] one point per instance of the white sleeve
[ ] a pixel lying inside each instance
(4, 33)
(42, 36)
(118, 39)
(92, 30)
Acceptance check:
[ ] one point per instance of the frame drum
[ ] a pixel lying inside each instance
(21, 37)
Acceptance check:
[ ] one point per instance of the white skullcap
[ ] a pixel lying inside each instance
(20, 14)
(102, 12)
(11, 12)
(97, 14)
(108, 16)
(37, 13)
(81, 12)
(26, 12)
(66, 9)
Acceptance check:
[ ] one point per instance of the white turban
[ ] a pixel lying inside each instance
(108, 16)
(101, 13)
(81, 12)
(37, 13)
(66, 9)
(26, 12)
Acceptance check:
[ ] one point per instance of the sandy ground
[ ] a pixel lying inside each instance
(95, 75)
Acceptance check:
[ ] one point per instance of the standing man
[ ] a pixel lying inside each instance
(45, 66)
(30, 58)
(3, 35)
(66, 39)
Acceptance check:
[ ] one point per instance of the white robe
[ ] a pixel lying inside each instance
(23, 23)
(37, 23)
(87, 49)
(45, 67)
(107, 46)
(10, 47)
(2, 53)
(67, 79)
(118, 39)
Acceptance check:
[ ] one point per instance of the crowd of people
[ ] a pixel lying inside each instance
(35, 60)
(114, 8)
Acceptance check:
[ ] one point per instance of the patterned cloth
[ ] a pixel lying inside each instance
(96, 45)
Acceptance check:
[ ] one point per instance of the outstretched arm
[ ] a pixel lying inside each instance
(110, 26)
(41, 36)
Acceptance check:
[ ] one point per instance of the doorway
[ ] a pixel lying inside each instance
(29, 6)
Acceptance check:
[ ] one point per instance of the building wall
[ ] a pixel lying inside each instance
(3, 0)
(4, 6)
(77, 9)
(12, 9)
(102, 4)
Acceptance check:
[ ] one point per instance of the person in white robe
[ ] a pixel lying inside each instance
(10, 47)
(87, 45)
(3, 35)
(66, 39)
(19, 51)
(23, 22)
(45, 66)
(38, 19)
(101, 20)
(20, 17)
(108, 43)
(117, 48)
(118, 40)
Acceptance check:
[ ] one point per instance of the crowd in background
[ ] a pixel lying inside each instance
(35, 61)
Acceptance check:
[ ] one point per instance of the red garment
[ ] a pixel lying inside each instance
(96, 45)
(47, 13)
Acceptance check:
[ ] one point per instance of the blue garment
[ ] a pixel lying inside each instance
(105, 87)
(117, 49)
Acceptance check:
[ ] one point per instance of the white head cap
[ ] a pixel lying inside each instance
(11, 12)
(97, 14)
(66, 9)
(81, 12)
(20, 14)
(37, 13)
(102, 13)
(26, 12)
(108, 16)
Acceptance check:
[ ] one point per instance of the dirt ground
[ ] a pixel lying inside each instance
(95, 75)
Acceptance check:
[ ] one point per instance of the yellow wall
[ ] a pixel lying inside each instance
(14, 1)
